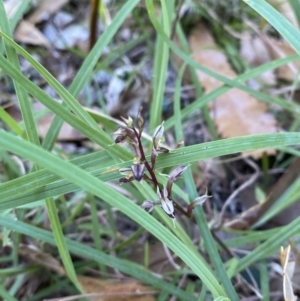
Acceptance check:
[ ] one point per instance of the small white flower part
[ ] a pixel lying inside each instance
(128, 121)
(138, 171)
(166, 204)
(158, 135)
(200, 200)
(148, 205)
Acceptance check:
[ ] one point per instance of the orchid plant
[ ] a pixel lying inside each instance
(142, 169)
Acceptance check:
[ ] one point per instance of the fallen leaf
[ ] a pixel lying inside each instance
(27, 33)
(235, 113)
(256, 53)
(281, 49)
(45, 9)
(67, 132)
(112, 290)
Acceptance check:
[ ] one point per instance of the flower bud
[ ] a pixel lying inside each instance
(158, 135)
(128, 121)
(174, 175)
(148, 205)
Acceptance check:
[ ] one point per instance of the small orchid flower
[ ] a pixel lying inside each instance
(166, 203)
(200, 200)
(123, 133)
(138, 170)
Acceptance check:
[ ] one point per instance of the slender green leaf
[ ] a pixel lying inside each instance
(80, 249)
(88, 65)
(108, 194)
(161, 59)
(33, 185)
(98, 137)
(278, 21)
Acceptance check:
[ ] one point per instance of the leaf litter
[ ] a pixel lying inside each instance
(235, 113)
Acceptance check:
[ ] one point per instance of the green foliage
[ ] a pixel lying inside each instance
(53, 176)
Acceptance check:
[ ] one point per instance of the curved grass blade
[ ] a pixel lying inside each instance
(88, 65)
(96, 136)
(278, 21)
(9, 197)
(79, 249)
(100, 189)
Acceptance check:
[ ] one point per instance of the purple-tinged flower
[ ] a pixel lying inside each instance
(122, 133)
(166, 203)
(174, 175)
(138, 170)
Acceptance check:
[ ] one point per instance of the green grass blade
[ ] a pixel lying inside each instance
(61, 242)
(188, 60)
(264, 280)
(25, 105)
(278, 21)
(205, 99)
(88, 65)
(108, 194)
(66, 96)
(34, 188)
(6, 295)
(290, 196)
(195, 80)
(96, 136)
(161, 59)
(79, 249)
(270, 246)
(295, 4)
(10, 122)
(199, 213)
(22, 8)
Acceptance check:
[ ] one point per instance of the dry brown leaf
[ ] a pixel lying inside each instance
(45, 9)
(27, 33)
(112, 290)
(281, 49)
(235, 112)
(67, 132)
(256, 53)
